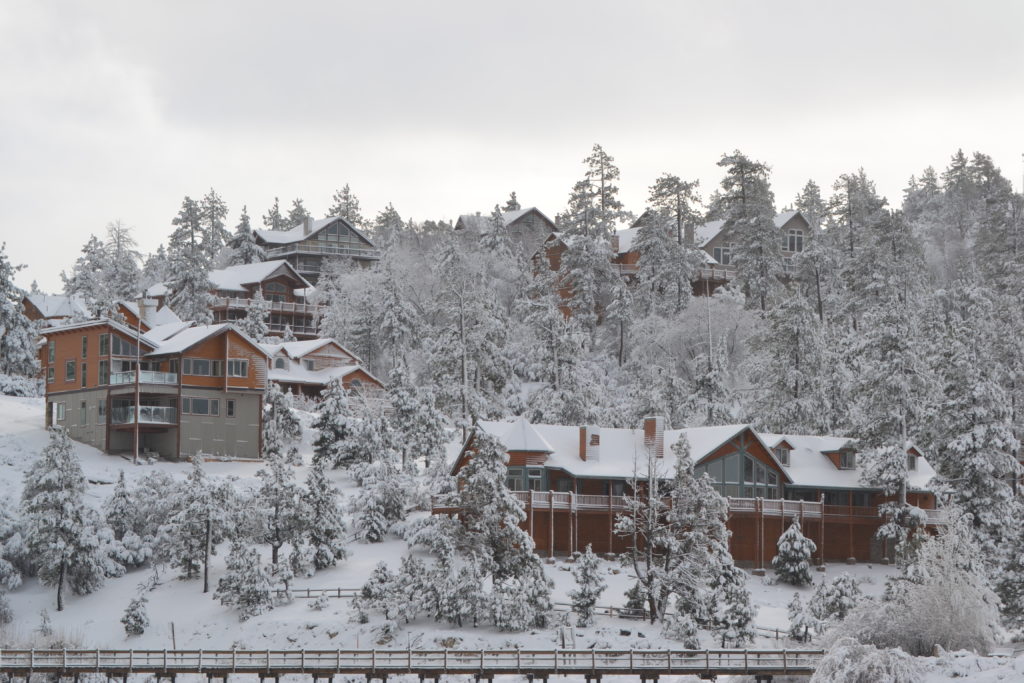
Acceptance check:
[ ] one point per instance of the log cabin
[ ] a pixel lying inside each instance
(200, 389)
(572, 479)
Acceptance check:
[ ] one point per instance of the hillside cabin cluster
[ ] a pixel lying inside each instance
(572, 481)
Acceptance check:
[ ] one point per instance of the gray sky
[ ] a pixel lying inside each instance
(118, 109)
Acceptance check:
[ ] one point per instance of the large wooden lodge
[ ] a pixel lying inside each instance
(572, 480)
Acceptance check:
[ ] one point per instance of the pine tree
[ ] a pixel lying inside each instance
(387, 226)
(135, 619)
(90, 278)
(666, 266)
(212, 212)
(734, 615)
(594, 208)
(60, 529)
(273, 220)
(333, 425)
(512, 204)
(811, 205)
(677, 200)
(420, 428)
(123, 258)
(288, 335)
(346, 205)
(325, 527)
(792, 564)
(246, 584)
(712, 398)
(119, 509)
(284, 510)
(585, 271)
(589, 585)
(189, 266)
(279, 415)
(834, 600)
(243, 243)
(298, 214)
(256, 324)
(801, 622)
(18, 355)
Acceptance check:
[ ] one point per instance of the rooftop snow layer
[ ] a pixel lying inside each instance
(59, 305)
(234, 278)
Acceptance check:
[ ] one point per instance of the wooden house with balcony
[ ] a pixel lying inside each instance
(527, 228)
(183, 390)
(309, 247)
(572, 481)
(306, 367)
(284, 289)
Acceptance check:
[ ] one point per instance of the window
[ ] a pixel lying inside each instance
(60, 412)
(101, 413)
(837, 497)
(274, 291)
(794, 241)
(83, 413)
(723, 254)
(748, 470)
(186, 405)
(85, 346)
(279, 363)
(309, 364)
(536, 478)
(49, 375)
(782, 453)
(618, 487)
(911, 461)
(201, 367)
(173, 365)
(514, 479)
(200, 406)
(231, 407)
(847, 460)
(238, 368)
(122, 348)
(83, 374)
(214, 407)
(104, 344)
(104, 372)
(69, 371)
(51, 351)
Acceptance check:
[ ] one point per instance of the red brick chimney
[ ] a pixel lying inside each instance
(654, 435)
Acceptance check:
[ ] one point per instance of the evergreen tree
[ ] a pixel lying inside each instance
(387, 226)
(834, 600)
(512, 204)
(246, 584)
(734, 614)
(420, 428)
(346, 205)
(712, 398)
(18, 353)
(297, 215)
(119, 509)
(666, 266)
(801, 622)
(333, 425)
(325, 527)
(273, 220)
(811, 205)
(245, 250)
(213, 211)
(585, 272)
(256, 324)
(123, 259)
(594, 208)
(284, 510)
(589, 586)
(677, 200)
(60, 529)
(90, 280)
(189, 266)
(135, 619)
(792, 564)
(279, 415)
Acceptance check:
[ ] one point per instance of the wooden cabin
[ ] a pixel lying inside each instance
(306, 367)
(310, 246)
(284, 289)
(572, 480)
(200, 388)
(527, 228)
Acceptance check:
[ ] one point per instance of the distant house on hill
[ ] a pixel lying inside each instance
(54, 309)
(526, 227)
(306, 367)
(308, 247)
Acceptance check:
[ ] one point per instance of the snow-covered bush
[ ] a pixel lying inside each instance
(833, 600)
(135, 619)
(589, 586)
(246, 584)
(17, 385)
(801, 621)
(848, 661)
(793, 562)
(6, 613)
(733, 619)
(683, 628)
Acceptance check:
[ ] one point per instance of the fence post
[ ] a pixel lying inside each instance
(446, 659)
(785, 668)
(199, 665)
(131, 659)
(165, 659)
(373, 659)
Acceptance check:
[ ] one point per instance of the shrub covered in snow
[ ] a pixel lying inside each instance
(848, 661)
(793, 562)
(135, 619)
(17, 385)
(834, 599)
(589, 586)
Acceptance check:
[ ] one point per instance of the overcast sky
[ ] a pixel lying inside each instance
(117, 110)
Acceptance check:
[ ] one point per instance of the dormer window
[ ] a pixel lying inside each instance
(723, 254)
(279, 363)
(911, 461)
(310, 365)
(847, 460)
(782, 453)
(794, 241)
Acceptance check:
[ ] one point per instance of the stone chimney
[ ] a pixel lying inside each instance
(147, 307)
(590, 443)
(615, 245)
(654, 435)
(307, 226)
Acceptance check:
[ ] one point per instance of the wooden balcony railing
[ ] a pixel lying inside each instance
(223, 303)
(323, 250)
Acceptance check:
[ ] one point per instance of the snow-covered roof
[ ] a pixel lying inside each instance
(704, 233)
(626, 238)
(295, 373)
(784, 217)
(521, 436)
(190, 336)
(59, 305)
(482, 223)
(156, 317)
(123, 329)
(622, 451)
(161, 332)
(298, 233)
(234, 278)
(159, 289)
(809, 466)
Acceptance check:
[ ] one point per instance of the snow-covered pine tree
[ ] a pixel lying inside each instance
(679, 201)
(387, 226)
(733, 619)
(119, 509)
(298, 214)
(324, 525)
(663, 274)
(420, 428)
(284, 510)
(18, 355)
(246, 583)
(586, 272)
(496, 240)
(189, 266)
(801, 622)
(288, 335)
(512, 203)
(346, 205)
(123, 259)
(594, 208)
(833, 600)
(278, 412)
(399, 322)
(135, 619)
(256, 324)
(712, 397)
(589, 585)
(792, 564)
(243, 243)
(60, 529)
(89, 279)
(333, 425)
(273, 220)
(212, 212)
(385, 494)
(811, 205)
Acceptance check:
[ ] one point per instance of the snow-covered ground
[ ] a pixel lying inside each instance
(182, 616)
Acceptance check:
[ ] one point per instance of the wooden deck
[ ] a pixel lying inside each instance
(484, 664)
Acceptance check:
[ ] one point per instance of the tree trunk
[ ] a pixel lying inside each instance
(60, 587)
(206, 556)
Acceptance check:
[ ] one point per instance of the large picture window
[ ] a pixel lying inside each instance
(742, 475)
(203, 367)
(723, 254)
(238, 368)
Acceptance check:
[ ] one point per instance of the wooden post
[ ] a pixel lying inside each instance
(760, 509)
(821, 548)
(611, 519)
(551, 523)
(529, 512)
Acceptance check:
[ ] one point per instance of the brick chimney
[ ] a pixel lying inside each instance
(654, 435)
(590, 443)
(147, 307)
(307, 225)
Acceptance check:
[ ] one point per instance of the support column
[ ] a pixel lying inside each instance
(551, 523)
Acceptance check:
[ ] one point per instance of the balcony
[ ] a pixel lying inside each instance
(154, 415)
(145, 377)
(306, 330)
(225, 303)
(322, 249)
(716, 273)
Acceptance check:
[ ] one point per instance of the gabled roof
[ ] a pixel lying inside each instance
(704, 233)
(297, 349)
(235, 278)
(296, 374)
(482, 223)
(58, 305)
(104, 322)
(298, 233)
(521, 436)
(189, 337)
(157, 317)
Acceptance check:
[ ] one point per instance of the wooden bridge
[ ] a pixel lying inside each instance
(648, 665)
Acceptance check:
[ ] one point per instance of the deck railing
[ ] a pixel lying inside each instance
(322, 249)
(121, 415)
(227, 302)
(145, 377)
